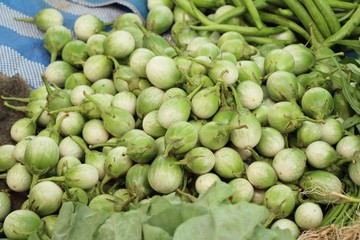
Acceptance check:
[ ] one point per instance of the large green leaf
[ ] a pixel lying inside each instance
(226, 222)
(262, 233)
(170, 218)
(76, 219)
(155, 233)
(218, 193)
(158, 204)
(121, 226)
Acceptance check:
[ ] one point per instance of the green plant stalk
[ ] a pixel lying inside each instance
(353, 209)
(345, 215)
(333, 214)
(339, 220)
(349, 214)
(317, 17)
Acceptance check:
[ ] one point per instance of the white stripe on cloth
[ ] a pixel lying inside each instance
(23, 28)
(105, 13)
(13, 63)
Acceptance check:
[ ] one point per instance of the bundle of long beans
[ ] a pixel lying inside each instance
(320, 22)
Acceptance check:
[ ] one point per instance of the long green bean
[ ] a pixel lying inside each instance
(345, 30)
(266, 40)
(240, 9)
(342, 5)
(279, 3)
(209, 3)
(190, 8)
(252, 10)
(345, 16)
(317, 17)
(235, 12)
(272, 18)
(237, 3)
(244, 30)
(284, 12)
(304, 18)
(328, 14)
(356, 32)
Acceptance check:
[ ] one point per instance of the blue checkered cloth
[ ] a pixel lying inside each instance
(21, 44)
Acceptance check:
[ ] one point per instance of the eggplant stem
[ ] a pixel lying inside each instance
(68, 109)
(269, 220)
(107, 144)
(53, 56)
(25, 19)
(54, 178)
(81, 144)
(116, 63)
(180, 162)
(239, 105)
(16, 108)
(24, 100)
(106, 179)
(124, 204)
(113, 188)
(177, 50)
(35, 179)
(189, 196)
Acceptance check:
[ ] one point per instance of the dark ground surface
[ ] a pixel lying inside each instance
(11, 87)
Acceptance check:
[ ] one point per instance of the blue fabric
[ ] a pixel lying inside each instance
(21, 44)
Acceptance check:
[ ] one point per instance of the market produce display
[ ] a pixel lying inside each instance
(210, 120)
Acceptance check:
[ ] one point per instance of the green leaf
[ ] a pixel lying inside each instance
(352, 95)
(155, 233)
(158, 204)
(170, 218)
(34, 236)
(262, 233)
(76, 219)
(217, 194)
(353, 68)
(121, 226)
(351, 121)
(237, 221)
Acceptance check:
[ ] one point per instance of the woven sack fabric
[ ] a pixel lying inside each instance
(21, 43)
